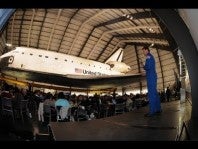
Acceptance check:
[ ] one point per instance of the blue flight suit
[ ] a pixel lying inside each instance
(151, 77)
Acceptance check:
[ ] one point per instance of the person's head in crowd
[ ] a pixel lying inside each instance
(61, 95)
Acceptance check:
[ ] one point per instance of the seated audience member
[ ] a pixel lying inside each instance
(49, 100)
(18, 96)
(64, 106)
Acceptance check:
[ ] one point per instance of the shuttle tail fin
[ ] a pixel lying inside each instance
(117, 56)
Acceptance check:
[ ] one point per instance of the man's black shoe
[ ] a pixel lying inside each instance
(158, 112)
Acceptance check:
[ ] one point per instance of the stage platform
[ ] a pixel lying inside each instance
(131, 126)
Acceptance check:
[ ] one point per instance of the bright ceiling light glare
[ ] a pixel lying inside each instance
(152, 45)
(150, 29)
(8, 44)
(128, 16)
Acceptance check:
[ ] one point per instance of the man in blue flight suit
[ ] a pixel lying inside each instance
(151, 77)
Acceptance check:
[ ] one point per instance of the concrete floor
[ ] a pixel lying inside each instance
(131, 126)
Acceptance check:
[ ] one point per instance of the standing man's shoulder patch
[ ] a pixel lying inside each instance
(148, 57)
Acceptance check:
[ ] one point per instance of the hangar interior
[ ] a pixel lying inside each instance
(96, 34)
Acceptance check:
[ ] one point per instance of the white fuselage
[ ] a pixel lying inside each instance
(53, 62)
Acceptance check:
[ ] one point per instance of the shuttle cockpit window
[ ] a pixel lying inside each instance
(46, 56)
(111, 65)
(40, 55)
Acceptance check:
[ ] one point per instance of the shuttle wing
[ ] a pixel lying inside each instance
(106, 81)
(81, 81)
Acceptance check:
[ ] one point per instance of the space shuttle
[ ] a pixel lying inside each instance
(50, 67)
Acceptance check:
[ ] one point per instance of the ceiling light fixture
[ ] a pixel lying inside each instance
(150, 29)
(128, 16)
(152, 45)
